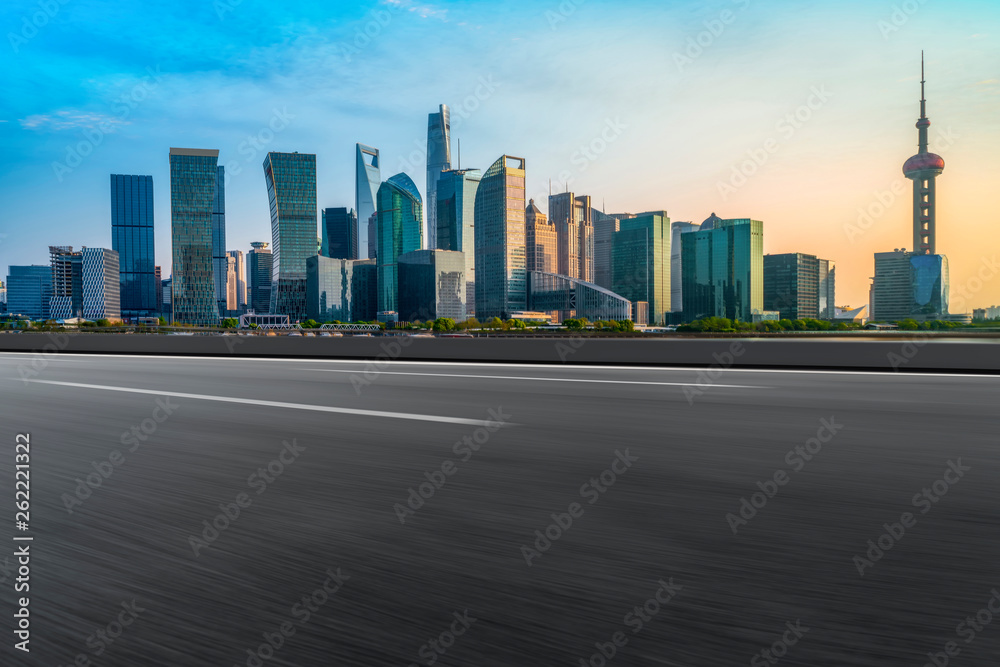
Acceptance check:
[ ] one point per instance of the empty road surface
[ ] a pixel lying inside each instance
(189, 512)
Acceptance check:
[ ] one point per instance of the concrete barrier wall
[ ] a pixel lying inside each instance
(898, 354)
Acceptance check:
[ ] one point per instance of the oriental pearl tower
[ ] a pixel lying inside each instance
(923, 169)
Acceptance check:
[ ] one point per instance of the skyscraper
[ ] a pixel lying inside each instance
(339, 230)
(640, 262)
(220, 262)
(438, 160)
(367, 180)
(431, 285)
(340, 289)
(676, 262)
(604, 228)
(723, 269)
(573, 220)
(541, 248)
(259, 267)
(194, 174)
(501, 273)
(827, 289)
(892, 286)
(291, 191)
(456, 219)
(791, 285)
(400, 230)
(101, 284)
(132, 239)
(67, 283)
(236, 283)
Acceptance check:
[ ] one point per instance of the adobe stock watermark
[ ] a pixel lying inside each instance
(391, 350)
(31, 24)
(104, 637)
(696, 45)
(924, 501)
(365, 33)
(779, 649)
(899, 190)
(966, 291)
(259, 481)
(636, 620)
(257, 143)
(133, 439)
(968, 630)
(796, 459)
(786, 128)
(709, 377)
(301, 613)
(899, 17)
(31, 368)
(592, 491)
(93, 137)
(585, 156)
(464, 449)
(435, 648)
(562, 13)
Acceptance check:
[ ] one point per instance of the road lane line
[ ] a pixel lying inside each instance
(532, 379)
(277, 404)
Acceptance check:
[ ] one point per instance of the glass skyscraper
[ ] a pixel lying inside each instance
(259, 266)
(791, 285)
(723, 269)
(291, 192)
(101, 284)
(132, 239)
(456, 218)
(438, 160)
(339, 231)
(604, 228)
(193, 177)
(236, 283)
(640, 262)
(400, 230)
(501, 273)
(220, 261)
(29, 290)
(341, 290)
(573, 219)
(676, 282)
(367, 180)
(431, 285)
(930, 286)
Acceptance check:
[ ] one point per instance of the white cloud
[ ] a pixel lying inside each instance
(70, 120)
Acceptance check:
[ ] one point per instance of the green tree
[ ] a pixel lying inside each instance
(444, 324)
(908, 324)
(310, 324)
(230, 323)
(103, 323)
(626, 325)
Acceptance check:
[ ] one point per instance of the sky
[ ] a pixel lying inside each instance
(797, 113)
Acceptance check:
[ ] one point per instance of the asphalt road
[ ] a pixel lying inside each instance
(646, 470)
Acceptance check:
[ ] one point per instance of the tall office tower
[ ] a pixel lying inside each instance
(339, 229)
(259, 267)
(29, 291)
(723, 269)
(194, 174)
(676, 284)
(367, 180)
(341, 290)
(158, 272)
(101, 284)
(827, 289)
(67, 283)
(541, 244)
(373, 236)
(604, 228)
(791, 285)
(167, 308)
(291, 191)
(456, 222)
(923, 169)
(236, 283)
(220, 263)
(438, 160)
(892, 286)
(574, 224)
(400, 230)
(132, 239)
(501, 273)
(431, 285)
(640, 263)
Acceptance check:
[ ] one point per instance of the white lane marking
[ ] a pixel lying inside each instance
(534, 379)
(277, 404)
(460, 364)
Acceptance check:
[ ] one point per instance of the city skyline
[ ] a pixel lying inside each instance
(843, 158)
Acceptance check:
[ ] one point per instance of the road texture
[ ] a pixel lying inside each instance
(225, 511)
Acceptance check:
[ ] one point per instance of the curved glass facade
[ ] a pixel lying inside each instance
(367, 180)
(549, 291)
(400, 230)
(930, 286)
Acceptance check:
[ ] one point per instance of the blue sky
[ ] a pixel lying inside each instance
(665, 120)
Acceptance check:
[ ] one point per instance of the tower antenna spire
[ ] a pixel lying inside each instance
(923, 83)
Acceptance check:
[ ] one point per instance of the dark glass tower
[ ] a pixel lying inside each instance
(132, 239)
(438, 160)
(220, 261)
(291, 192)
(722, 269)
(400, 213)
(193, 177)
(456, 218)
(259, 266)
(339, 230)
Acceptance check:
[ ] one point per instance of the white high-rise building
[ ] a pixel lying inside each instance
(101, 284)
